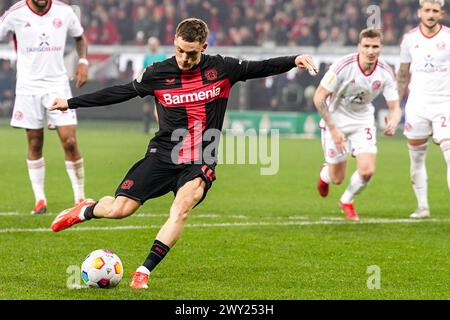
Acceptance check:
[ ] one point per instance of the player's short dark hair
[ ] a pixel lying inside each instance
(370, 33)
(192, 30)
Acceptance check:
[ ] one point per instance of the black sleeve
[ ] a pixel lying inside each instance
(241, 70)
(104, 97)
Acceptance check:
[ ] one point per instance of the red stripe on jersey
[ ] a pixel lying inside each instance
(344, 63)
(11, 10)
(349, 62)
(413, 30)
(193, 95)
(60, 3)
(387, 68)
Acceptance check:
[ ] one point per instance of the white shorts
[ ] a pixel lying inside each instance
(359, 140)
(30, 110)
(425, 119)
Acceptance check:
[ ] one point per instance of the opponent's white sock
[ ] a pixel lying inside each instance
(418, 173)
(355, 186)
(445, 147)
(36, 172)
(75, 170)
(325, 174)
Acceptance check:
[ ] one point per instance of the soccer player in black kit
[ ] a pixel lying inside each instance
(191, 90)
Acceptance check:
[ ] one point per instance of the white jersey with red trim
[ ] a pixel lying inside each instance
(40, 41)
(353, 90)
(430, 62)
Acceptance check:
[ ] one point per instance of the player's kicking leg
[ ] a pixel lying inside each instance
(107, 207)
(188, 196)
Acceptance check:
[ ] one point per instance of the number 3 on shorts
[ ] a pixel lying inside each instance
(368, 134)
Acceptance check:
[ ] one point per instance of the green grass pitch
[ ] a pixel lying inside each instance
(254, 237)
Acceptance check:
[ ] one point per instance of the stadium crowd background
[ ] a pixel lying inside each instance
(265, 23)
(242, 22)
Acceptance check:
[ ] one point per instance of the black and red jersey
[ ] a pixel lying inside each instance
(191, 104)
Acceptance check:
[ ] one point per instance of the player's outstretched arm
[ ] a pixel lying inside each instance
(394, 117)
(320, 102)
(244, 70)
(103, 97)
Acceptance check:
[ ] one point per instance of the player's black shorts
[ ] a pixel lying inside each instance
(151, 178)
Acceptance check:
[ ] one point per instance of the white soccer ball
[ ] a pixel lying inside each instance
(102, 269)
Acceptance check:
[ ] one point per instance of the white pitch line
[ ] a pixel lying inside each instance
(237, 224)
(11, 214)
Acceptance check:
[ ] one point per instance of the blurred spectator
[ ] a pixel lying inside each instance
(153, 55)
(243, 22)
(7, 87)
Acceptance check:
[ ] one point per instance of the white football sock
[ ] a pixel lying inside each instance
(445, 147)
(143, 270)
(355, 186)
(325, 174)
(418, 173)
(36, 172)
(75, 170)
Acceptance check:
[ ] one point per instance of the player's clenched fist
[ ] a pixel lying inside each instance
(59, 104)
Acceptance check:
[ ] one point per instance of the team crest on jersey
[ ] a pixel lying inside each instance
(331, 153)
(211, 74)
(376, 85)
(408, 127)
(441, 46)
(57, 23)
(127, 184)
(18, 115)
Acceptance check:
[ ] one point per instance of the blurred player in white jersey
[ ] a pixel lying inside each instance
(344, 100)
(425, 53)
(40, 29)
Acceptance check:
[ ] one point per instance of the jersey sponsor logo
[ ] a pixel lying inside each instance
(44, 45)
(211, 74)
(199, 96)
(127, 184)
(44, 40)
(57, 23)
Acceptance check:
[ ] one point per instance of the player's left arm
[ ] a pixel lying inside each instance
(81, 73)
(241, 70)
(394, 117)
